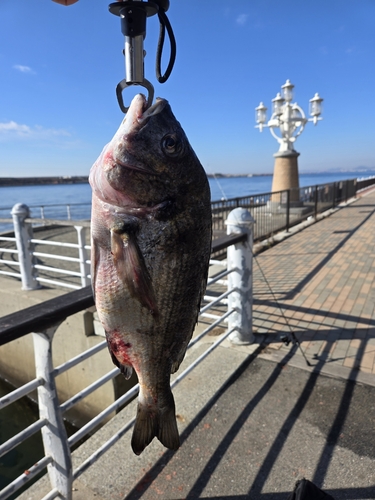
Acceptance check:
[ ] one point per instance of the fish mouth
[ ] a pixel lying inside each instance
(136, 118)
(130, 165)
(153, 110)
(139, 114)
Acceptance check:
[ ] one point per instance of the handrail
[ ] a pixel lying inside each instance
(226, 241)
(45, 315)
(60, 222)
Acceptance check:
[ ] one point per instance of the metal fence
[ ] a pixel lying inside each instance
(60, 255)
(225, 290)
(364, 183)
(69, 211)
(46, 260)
(281, 210)
(42, 214)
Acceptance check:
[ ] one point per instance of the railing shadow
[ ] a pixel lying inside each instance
(337, 493)
(285, 429)
(312, 311)
(338, 423)
(289, 287)
(145, 483)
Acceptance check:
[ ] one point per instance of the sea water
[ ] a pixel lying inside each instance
(221, 188)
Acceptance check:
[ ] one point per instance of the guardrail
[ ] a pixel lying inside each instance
(227, 288)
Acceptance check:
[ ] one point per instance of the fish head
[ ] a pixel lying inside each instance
(148, 161)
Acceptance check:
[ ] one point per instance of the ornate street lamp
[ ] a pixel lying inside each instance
(290, 120)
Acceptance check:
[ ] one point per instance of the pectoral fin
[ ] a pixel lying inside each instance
(132, 269)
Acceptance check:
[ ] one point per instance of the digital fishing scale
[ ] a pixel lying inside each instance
(134, 14)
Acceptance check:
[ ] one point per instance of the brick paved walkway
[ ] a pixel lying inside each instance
(323, 279)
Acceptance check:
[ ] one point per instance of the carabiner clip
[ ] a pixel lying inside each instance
(123, 85)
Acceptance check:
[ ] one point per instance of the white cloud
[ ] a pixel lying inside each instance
(13, 127)
(13, 131)
(241, 19)
(23, 69)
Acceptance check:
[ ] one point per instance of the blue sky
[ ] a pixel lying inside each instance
(59, 67)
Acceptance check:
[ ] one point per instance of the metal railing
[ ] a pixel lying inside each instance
(230, 283)
(64, 211)
(365, 182)
(278, 211)
(47, 261)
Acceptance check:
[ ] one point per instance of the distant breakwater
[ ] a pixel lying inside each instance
(38, 181)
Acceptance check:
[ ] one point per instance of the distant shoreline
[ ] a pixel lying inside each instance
(36, 181)
(228, 176)
(83, 179)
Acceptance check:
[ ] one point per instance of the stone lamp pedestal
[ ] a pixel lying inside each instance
(285, 176)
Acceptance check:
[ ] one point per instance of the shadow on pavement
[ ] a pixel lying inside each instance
(216, 457)
(336, 421)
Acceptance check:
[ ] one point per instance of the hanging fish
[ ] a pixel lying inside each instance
(151, 240)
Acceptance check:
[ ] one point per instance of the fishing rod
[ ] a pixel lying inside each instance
(133, 15)
(284, 338)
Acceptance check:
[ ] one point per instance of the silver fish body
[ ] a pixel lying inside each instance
(151, 240)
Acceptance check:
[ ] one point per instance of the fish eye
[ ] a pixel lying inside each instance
(172, 145)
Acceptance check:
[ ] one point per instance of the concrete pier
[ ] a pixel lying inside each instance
(254, 419)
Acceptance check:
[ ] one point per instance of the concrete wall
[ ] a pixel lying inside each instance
(75, 335)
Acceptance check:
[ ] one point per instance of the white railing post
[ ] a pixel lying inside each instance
(240, 258)
(23, 233)
(83, 258)
(55, 439)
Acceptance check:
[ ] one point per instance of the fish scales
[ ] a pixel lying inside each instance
(151, 240)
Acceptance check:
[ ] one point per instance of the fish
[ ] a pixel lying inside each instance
(151, 233)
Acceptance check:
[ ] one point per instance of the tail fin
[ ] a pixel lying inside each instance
(153, 421)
